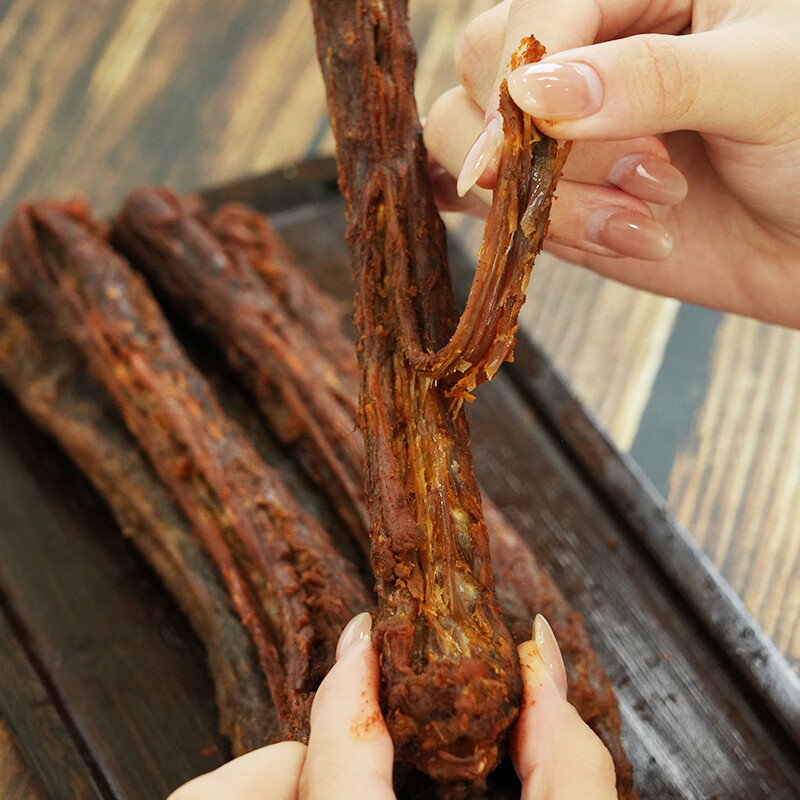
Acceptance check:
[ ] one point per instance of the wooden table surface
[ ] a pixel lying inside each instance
(98, 96)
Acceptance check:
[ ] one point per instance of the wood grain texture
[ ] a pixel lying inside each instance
(736, 481)
(100, 95)
(57, 763)
(17, 782)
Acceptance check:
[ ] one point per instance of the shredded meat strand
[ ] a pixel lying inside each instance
(292, 589)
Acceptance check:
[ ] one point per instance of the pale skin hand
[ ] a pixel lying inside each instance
(722, 98)
(350, 752)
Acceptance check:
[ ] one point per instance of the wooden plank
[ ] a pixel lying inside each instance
(17, 779)
(60, 769)
(736, 480)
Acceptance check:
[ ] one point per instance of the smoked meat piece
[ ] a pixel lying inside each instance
(49, 380)
(530, 166)
(292, 589)
(156, 228)
(451, 683)
(296, 386)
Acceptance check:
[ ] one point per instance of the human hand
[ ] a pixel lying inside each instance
(350, 752)
(618, 74)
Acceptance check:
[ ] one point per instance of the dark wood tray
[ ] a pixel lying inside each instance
(106, 688)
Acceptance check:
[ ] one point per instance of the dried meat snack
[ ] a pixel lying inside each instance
(156, 228)
(50, 382)
(451, 678)
(292, 589)
(216, 288)
(529, 169)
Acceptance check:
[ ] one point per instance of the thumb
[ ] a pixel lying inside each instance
(642, 85)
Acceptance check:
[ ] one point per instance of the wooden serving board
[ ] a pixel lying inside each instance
(106, 688)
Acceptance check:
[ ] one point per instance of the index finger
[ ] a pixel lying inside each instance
(485, 49)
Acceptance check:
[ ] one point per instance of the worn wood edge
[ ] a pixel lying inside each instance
(283, 188)
(32, 715)
(613, 476)
(626, 489)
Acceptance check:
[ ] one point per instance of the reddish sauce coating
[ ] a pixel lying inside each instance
(161, 246)
(290, 586)
(49, 379)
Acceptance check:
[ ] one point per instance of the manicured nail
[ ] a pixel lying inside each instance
(649, 178)
(446, 196)
(355, 633)
(480, 155)
(629, 234)
(550, 652)
(556, 91)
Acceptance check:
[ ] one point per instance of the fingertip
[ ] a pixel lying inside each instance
(606, 221)
(350, 750)
(354, 635)
(277, 765)
(630, 234)
(649, 178)
(554, 752)
(550, 90)
(476, 202)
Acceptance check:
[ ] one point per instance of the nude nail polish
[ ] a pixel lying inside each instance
(447, 199)
(486, 146)
(550, 652)
(556, 91)
(649, 178)
(629, 234)
(355, 633)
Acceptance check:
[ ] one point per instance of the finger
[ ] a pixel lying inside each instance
(446, 197)
(350, 752)
(277, 766)
(479, 50)
(639, 167)
(555, 753)
(451, 127)
(581, 22)
(606, 222)
(653, 83)
(484, 49)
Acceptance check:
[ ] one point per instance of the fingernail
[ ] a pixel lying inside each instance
(550, 652)
(446, 196)
(556, 91)
(649, 178)
(354, 634)
(480, 155)
(629, 234)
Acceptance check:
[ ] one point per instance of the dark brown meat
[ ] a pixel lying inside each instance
(291, 588)
(162, 244)
(49, 380)
(298, 388)
(451, 676)
(484, 338)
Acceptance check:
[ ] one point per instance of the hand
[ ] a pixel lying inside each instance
(618, 73)
(350, 752)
